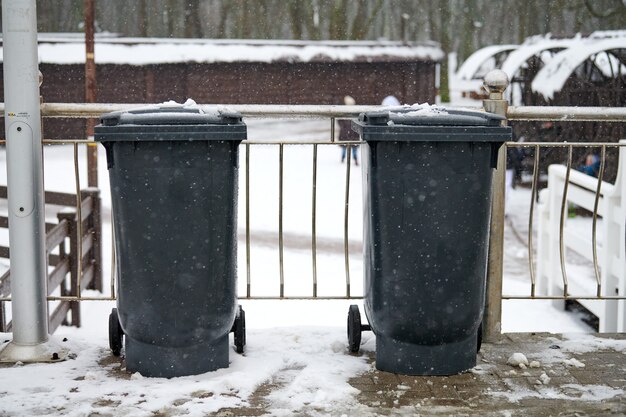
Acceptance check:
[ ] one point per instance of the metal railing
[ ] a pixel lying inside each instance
(331, 113)
(568, 188)
(248, 144)
(567, 183)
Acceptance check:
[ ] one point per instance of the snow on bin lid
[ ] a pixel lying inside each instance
(430, 115)
(171, 121)
(173, 113)
(423, 122)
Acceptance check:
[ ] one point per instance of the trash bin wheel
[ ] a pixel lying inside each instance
(354, 328)
(239, 330)
(479, 340)
(115, 333)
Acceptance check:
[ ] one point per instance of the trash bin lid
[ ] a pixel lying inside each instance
(431, 123)
(171, 121)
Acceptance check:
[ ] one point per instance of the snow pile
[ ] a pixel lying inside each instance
(518, 359)
(189, 104)
(416, 110)
(558, 65)
(306, 366)
(574, 363)
(584, 343)
(561, 351)
(543, 379)
(517, 59)
(573, 392)
(209, 52)
(481, 62)
(551, 78)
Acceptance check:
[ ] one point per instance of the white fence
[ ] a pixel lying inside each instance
(607, 276)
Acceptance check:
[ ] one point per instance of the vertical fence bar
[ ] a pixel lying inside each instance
(332, 129)
(3, 317)
(496, 82)
(345, 223)
(248, 282)
(79, 224)
(562, 220)
(594, 224)
(280, 221)
(533, 197)
(314, 221)
(113, 266)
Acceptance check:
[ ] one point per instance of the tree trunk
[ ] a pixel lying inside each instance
(224, 14)
(522, 18)
(362, 21)
(338, 20)
(142, 18)
(444, 88)
(467, 46)
(295, 18)
(192, 20)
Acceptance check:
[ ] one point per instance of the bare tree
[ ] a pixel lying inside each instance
(364, 18)
(192, 20)
(444, 40)
(459, 25)
(338, 21)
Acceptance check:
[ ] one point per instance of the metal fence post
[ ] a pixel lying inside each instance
(3, 318)
(95, 229)
(25, 187)
(495, 82)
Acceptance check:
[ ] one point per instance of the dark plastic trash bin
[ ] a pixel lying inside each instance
(173, 175)
(427, 196)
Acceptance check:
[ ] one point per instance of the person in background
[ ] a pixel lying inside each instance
(347, 134)
(592, 165)
(390, 101)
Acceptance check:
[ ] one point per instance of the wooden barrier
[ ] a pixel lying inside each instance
(65, 266)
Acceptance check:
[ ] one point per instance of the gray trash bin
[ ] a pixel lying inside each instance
(427, 196)
(174, 175)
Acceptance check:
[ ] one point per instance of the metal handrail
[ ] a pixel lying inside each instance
(537, 113)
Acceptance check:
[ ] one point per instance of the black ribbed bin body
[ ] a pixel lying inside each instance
(173, 176)
(427, 201)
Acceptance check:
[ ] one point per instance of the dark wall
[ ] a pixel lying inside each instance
(311, 83)
(236, 83)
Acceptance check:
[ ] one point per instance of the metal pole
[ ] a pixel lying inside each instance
(532, 113)
(25, 186)
(90, 91)
(495, 82)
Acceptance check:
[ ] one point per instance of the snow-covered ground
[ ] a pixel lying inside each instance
(309, 336)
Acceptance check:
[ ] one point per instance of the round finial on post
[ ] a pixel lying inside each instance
(495, 82)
